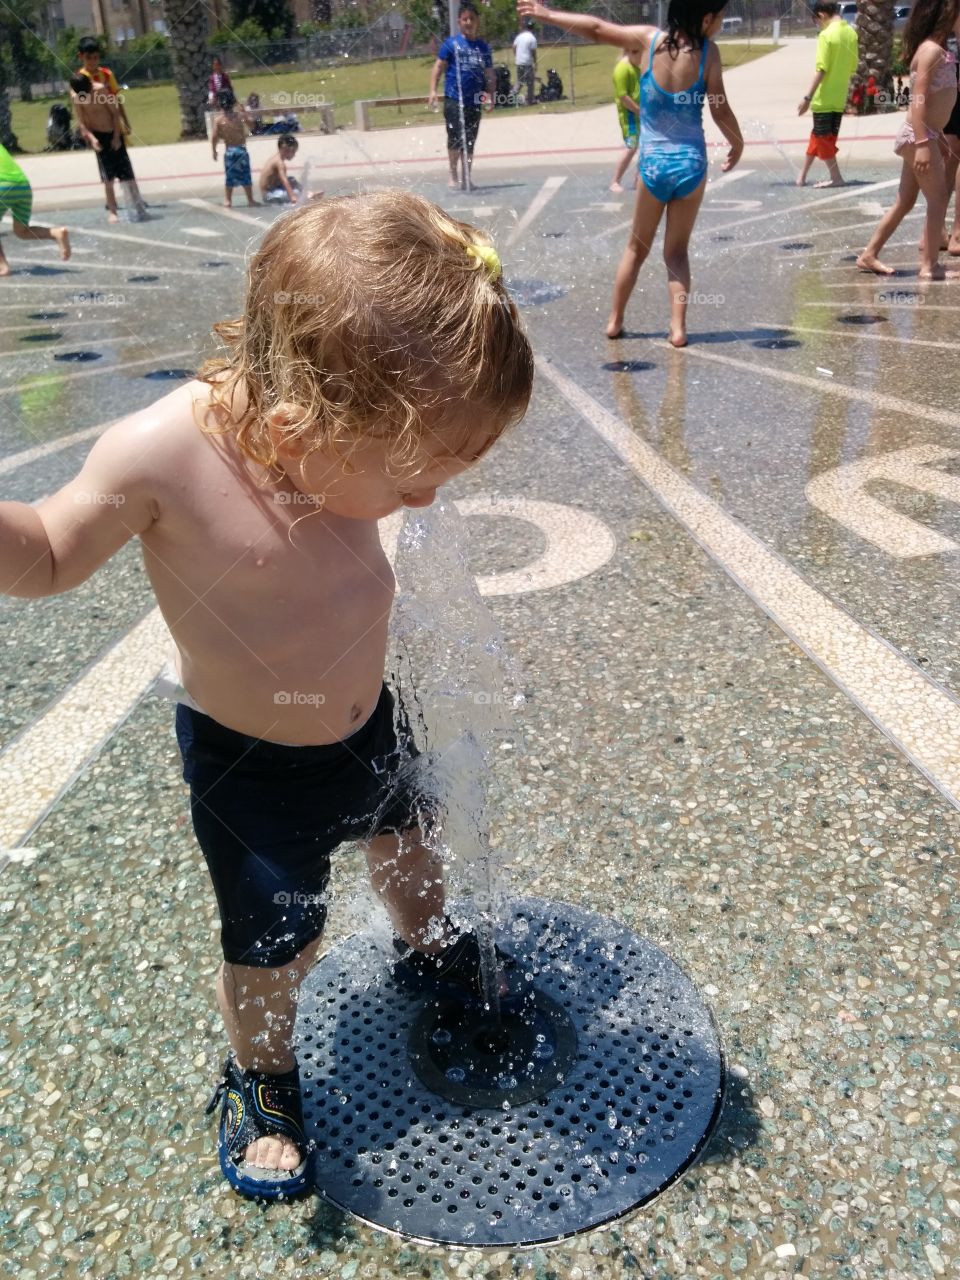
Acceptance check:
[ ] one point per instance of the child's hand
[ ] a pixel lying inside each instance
(733, 156)
(115, 142)
(530, 9)
(921, 159)
(95, 143)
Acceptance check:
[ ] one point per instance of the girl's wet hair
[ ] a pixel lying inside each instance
(685, 19)
(366, 317)
(928, 20)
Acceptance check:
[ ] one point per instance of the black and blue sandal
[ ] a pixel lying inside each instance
(256, 1105)
(454, 973)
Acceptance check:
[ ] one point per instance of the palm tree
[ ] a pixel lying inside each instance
(187, 29)
(7, 137)
(875, 31)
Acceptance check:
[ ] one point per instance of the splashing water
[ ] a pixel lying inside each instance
(760, 131)
(460, 688)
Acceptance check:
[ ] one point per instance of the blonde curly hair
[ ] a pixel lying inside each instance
(372, 316)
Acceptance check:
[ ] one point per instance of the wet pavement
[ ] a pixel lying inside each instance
(740, 740)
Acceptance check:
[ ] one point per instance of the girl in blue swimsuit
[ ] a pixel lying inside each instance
(681, 72)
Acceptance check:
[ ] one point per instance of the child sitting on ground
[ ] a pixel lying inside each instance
(681, 72)
(256, 491)
(17, 196)
(919, 143)
(230, 129)
(277, 186)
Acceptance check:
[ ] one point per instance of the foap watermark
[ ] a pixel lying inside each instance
(693, 98)
(299, 99)
(298, 899)
(282, 299)
(296, 499)
(900, 297)
(704, 299)
(93, 498)
(510, 99)
(97, 299)
(294, 698)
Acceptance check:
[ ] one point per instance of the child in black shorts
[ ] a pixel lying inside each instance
(98, 118)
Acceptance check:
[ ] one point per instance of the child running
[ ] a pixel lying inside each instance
(255, 492)
(933, 96)
(17, 196)
(682, 71)
(229, 128)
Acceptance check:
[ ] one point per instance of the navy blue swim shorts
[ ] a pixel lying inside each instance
(267, 818)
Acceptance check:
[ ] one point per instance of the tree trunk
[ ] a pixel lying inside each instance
(187, 27)
(7, 137)
(875, 32)
(322, 11)
(19, 63)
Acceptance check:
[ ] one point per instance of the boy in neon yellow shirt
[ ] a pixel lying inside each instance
(16, 195)
(837, 56)
(626, 94)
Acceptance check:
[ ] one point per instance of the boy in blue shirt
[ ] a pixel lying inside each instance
(466, 64)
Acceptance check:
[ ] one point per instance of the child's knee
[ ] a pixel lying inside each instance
(21, 230)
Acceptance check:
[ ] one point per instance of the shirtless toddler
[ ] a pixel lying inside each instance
(229, 128)
(378, 357)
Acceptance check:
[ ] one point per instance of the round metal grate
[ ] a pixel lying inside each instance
(632, 1097)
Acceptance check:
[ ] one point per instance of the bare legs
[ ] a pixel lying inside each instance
(952, 175)
(259, 1006)
(623, 164)
(23, 232)
(647, 212)
(454, 156)
(835, 179)
(681, 215)
(228, 197)
(934, 187)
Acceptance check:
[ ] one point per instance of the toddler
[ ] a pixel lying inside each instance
(378, 357)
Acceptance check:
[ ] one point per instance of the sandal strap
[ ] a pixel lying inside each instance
(258, 1105)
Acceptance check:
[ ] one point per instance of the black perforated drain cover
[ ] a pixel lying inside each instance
(628, 1116)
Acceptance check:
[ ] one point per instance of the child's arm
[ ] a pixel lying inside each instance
(720, 109)
(928, 55)
(215, 135)
(60, 542)
(583, 24)
(81, 114)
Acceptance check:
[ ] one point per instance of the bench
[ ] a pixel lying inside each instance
(323, 111)
(361, 108)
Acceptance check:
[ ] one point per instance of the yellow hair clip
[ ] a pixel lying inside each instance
(486, 254)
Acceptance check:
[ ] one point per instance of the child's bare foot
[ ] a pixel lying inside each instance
(112, 215)
(953, 246)
(274, 1152)
(454, 184)
(801, 182)
(870, 262)
(828, 182)
(228, 204)
(616, 188)
(62, 237)
(677, 338)
(935, 272)
(4, 267)
(614, 327)
(253, 204)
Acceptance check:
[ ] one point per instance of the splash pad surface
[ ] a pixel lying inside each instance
(628, 1072)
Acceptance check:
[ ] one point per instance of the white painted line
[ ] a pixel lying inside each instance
(54, 376)
(859, 336)
(13, 461)
(39, 765)
(811, 235)
(223, 212)
(80, 283)
(839, 493)
(577, 543)
(59, 324)
(177, 246)
(894, 306)
(917, 715)
(853, 193)
(876, 398)
(537, 205)
(206, 233)
(725, 180)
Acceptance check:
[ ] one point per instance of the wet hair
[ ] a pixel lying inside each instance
(81, 84)
(287, 140)
(685, 18)
(827, 7)
(367, 318)
(226, 99)
(928, 20)
(89, 44)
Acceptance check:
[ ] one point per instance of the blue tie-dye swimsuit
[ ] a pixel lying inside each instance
(673, 150)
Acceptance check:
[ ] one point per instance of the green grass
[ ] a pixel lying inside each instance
(155, 119)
